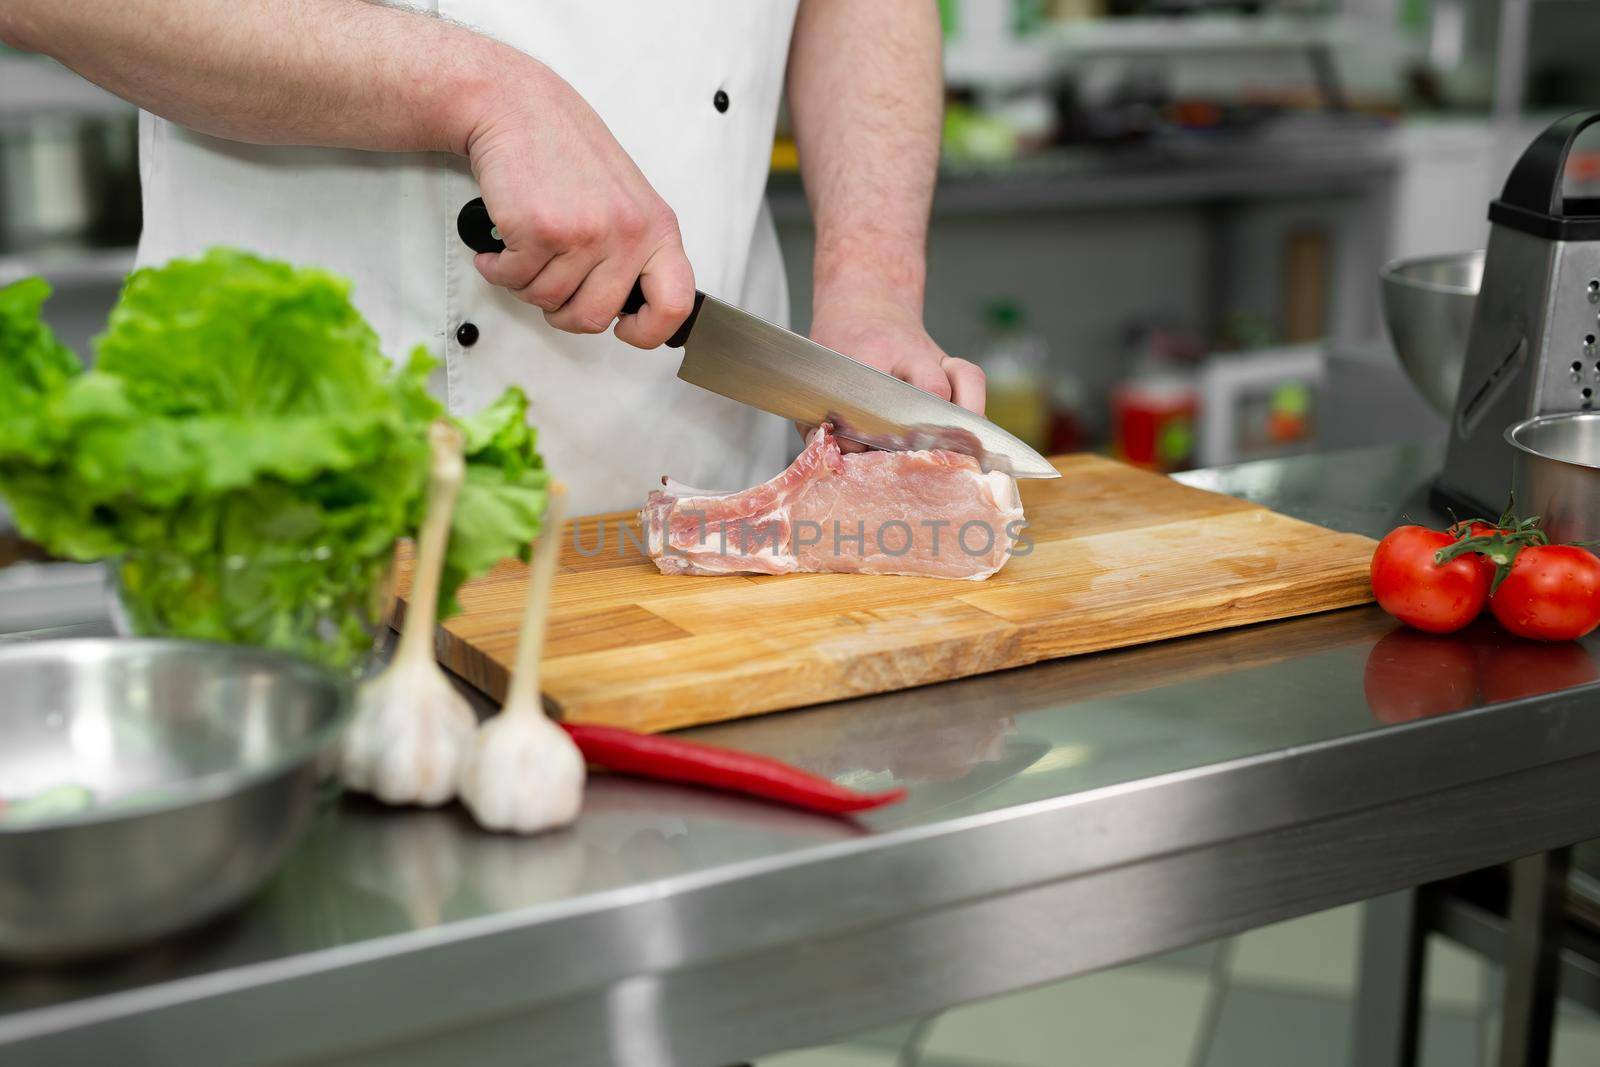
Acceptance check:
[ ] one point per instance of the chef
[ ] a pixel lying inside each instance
(612, 140)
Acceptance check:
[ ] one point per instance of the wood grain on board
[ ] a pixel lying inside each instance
(1120, 557)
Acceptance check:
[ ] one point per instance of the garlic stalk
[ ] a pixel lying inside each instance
(411, 727)
(523, 772)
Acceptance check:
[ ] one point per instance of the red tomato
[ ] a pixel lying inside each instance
(1419, 592)
(1551, 594)
(1412, 676)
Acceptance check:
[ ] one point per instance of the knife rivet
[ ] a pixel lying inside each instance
(467, 335)
(720, 101)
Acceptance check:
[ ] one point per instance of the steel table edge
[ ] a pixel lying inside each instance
(619, 933)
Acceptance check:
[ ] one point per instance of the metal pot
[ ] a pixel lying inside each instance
(1556, 473)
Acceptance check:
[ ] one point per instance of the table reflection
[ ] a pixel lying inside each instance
(1413, 675)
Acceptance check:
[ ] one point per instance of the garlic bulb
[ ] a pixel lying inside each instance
(411, 727)
(523, 772)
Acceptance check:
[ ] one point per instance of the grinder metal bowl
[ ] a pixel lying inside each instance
(1428, 305)
(1556, 473)
(200, 760)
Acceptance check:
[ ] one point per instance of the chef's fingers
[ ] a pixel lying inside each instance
(967, 384)
(928, 376)
(513, 268)
(668, 284)
(598, 301)
(559, 282)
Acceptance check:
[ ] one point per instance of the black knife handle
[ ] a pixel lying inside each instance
(477, 228)
(478, 233)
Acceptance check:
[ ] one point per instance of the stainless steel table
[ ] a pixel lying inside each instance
(1063, 818)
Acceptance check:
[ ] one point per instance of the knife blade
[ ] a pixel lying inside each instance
(745, 358)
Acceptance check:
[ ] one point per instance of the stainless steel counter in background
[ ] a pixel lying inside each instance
(1062, 818)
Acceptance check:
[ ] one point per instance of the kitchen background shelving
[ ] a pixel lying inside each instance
(1202, 177)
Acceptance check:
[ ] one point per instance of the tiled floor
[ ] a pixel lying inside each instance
(1045, 1027)
(1282, 990)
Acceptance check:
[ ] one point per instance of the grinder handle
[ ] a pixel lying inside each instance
(1535, 183)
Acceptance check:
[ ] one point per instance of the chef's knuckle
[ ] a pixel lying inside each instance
(576, 230)
(512, 278)
(664, 220)
(540, 296)
(631, 221)
(546, 226)
(590, 320)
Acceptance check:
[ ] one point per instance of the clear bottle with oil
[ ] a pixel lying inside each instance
(1015, 362)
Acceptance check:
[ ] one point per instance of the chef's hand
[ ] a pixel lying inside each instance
(888, 335)
(580, 222)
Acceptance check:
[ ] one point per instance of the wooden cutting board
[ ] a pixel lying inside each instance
(1121, 557)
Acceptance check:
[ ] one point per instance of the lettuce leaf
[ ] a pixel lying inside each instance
(246, 452)
(502, 499)
(33, 364)
(233, 334)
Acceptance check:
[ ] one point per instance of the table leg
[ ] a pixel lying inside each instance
(1388, 1009)
(1533, 958)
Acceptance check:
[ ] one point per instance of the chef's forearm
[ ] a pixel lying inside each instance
(334, 73)
(866, 94)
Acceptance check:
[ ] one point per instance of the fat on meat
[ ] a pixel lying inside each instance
(931, 513)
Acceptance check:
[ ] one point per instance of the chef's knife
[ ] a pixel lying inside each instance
(745, 358)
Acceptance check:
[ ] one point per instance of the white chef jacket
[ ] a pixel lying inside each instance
(690, 89)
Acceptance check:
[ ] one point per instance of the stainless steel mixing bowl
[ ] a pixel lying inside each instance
(200, 759)
(1555, 473)
(1427, 305)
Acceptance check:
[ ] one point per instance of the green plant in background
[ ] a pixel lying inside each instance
(950, 18)
(1028, 17)
(246, 454)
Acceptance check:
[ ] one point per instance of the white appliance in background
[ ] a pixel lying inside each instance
(1449, 169)
(984, 47)
(1258, 404)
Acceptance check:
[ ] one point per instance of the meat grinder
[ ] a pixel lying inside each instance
(1532, 349)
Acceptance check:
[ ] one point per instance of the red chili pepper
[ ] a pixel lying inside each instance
(674, 760)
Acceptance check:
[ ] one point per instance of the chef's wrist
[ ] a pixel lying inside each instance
(863, 270)
(854, 308)
(495, 89)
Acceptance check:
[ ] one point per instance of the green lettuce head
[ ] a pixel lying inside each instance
(246, 454)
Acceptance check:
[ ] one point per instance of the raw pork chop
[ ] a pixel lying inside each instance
(930, 513)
